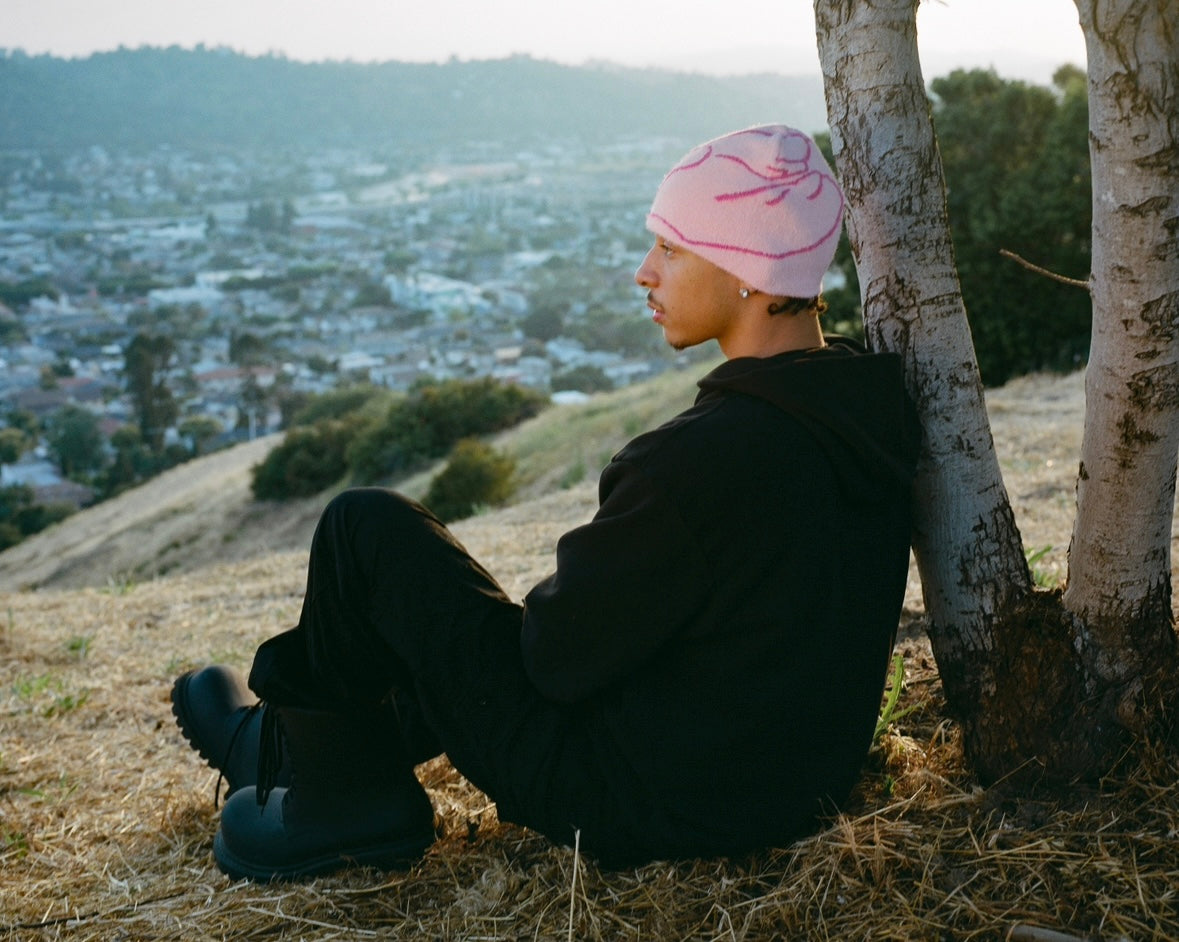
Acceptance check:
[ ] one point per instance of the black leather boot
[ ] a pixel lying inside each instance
(353, 801)
(222, 720)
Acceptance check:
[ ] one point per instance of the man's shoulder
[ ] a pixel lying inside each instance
(716, 422)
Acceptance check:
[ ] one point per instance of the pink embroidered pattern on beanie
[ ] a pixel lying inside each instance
(760, 203)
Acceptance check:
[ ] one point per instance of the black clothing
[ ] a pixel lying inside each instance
(704, 667)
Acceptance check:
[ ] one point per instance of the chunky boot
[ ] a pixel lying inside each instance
(353, 801)
(222, 720)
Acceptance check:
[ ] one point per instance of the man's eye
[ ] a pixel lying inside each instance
(668, 250)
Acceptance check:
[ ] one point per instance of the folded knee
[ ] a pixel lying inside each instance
(366, 506)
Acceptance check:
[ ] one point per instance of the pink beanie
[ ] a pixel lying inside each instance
(760, 203)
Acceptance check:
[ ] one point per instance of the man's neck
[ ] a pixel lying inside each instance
(774, 334)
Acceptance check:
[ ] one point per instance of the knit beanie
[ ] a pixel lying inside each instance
(760, 203)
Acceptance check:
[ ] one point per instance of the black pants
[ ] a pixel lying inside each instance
(396, 606)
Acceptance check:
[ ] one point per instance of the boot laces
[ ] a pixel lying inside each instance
(270, 750)
(242, 723)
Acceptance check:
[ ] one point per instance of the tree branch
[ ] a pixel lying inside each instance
(1075, 282)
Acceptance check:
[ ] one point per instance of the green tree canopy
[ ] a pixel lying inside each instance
(19, 293)
(1016, 160)
(247, 348)
(133, 461)
(146, 361)
(24, 420)
(200, 430)
(545, 321)
(13, 443)
(76, 441)
(372, 294)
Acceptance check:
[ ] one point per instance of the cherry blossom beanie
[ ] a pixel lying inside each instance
(760, 203)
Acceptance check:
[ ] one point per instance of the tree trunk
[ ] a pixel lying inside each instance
(1119, 585)
(1006, 653)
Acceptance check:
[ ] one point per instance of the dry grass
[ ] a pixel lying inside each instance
(106, 817)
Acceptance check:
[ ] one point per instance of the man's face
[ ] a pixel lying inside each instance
(691, 299)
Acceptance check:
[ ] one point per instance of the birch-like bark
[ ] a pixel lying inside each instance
(1039, 681)
(1119, 583)
(965, 540)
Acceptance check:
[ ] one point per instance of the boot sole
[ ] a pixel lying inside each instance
(400, 854)
(180, 710)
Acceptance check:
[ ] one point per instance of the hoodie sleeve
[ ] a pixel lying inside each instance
(625, 582)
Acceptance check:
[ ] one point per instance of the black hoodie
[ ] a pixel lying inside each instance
(722, 626)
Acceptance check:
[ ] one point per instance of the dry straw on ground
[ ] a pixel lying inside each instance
(106, 818)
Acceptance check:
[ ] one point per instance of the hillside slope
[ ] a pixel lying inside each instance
(202, 513)
(192, 515)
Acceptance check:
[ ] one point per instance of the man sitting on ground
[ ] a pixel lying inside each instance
(701, 673)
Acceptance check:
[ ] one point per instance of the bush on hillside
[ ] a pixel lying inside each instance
(475, 476)
(343, 435)
(431, 419)
(21, 515)
(586, 379)
(310, 459)
(337, 403)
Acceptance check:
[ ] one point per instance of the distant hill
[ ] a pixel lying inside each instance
(215, 99)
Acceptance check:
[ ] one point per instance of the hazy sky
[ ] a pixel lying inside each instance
(1020, 38)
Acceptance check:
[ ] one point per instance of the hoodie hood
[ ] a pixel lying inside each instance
(853, 402)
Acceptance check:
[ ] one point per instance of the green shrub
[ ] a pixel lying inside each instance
(10, 534)
(21, 516)
(310, 459)
(586, 379)
(475, 476)
(431, 419)
(345, 434)
(337, 404)
(36, 517)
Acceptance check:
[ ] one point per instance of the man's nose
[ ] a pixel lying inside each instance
(645, 276)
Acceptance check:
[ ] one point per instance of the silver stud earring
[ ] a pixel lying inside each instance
(744, 292)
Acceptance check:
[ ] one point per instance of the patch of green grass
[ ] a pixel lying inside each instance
(27, 688)
(119, 583)
(542, 446)
(56, 791)
(1041, 577)
(15, 842)
(66, 703)
(80, 645)
(889, 713)
(35, 691)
